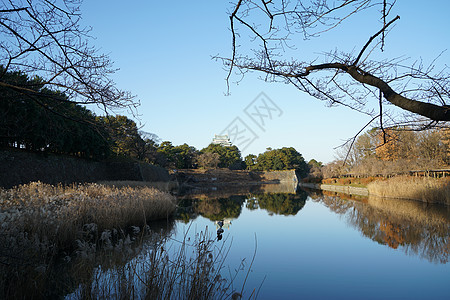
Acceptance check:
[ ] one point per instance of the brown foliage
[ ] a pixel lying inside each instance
(392, 234)
(389, 146)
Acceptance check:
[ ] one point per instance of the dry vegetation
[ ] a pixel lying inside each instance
(52, 238)
(189, 269)
(62, 211)
(40, 221)
(55, 215)
(361, 182)
(166, 186)
(425, 189)
(430, 190)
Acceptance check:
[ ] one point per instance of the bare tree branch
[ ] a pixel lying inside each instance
(44, 38)
(354, 81)
(373, 37)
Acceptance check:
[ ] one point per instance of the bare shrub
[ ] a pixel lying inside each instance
(334, 169)
(208, 160)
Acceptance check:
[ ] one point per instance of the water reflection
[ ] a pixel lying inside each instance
(219, 225)
(416, 228)
(278, 203)
(25, 274)
(217, 209)
(226, 202)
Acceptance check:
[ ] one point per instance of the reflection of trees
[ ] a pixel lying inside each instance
(26, 274)
(220, 208)
(393, 234)
(186, 211)
(213, 208)
(278, 203)
(407, 225)
(230, 207)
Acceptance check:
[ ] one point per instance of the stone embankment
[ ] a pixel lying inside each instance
(351, 190)
(236, 177)
(17, 167)
(280, 176)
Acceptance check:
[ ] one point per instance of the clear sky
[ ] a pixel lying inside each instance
(164, 48)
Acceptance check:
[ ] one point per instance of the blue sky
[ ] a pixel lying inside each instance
(164, 49)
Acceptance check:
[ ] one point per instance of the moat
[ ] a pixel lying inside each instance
(318, 246)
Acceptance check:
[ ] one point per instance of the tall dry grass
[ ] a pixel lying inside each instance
(165, 186)
(59, 212)
(51, 238)
(39, 221)
(430, 190)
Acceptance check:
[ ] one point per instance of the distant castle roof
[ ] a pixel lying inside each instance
(223, 140)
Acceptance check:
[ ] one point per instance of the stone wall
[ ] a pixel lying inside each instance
(17, 167)
(282, 176)
(351, 190)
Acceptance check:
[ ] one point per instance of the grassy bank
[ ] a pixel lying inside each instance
(350, 181)
(425, 189)
(430, 190)
(165, 186)
(106, 206)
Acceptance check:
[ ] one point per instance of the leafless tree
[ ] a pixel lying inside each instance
(351, 79)
(208, 160)
(44, 38)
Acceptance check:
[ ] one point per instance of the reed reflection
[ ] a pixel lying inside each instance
(24, 275)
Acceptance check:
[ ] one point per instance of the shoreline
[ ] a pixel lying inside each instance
(346, 189)
(417, 191)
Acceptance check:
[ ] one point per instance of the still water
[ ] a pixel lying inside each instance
(316, 246)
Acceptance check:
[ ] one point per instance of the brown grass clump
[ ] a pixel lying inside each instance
(165, 186)
(430, 190)
(43, 225)
(57, 214)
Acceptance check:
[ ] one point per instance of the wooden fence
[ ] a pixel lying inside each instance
(440, 173)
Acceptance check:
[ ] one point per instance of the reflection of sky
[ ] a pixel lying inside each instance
(317, 255)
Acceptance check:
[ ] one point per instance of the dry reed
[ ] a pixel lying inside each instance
(187, 269)
(165, 186)
(39, 222)
(430, 190)
(54, 218)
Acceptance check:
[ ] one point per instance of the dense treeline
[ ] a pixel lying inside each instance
(226, 157)
(278, 159)
(45, 121)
